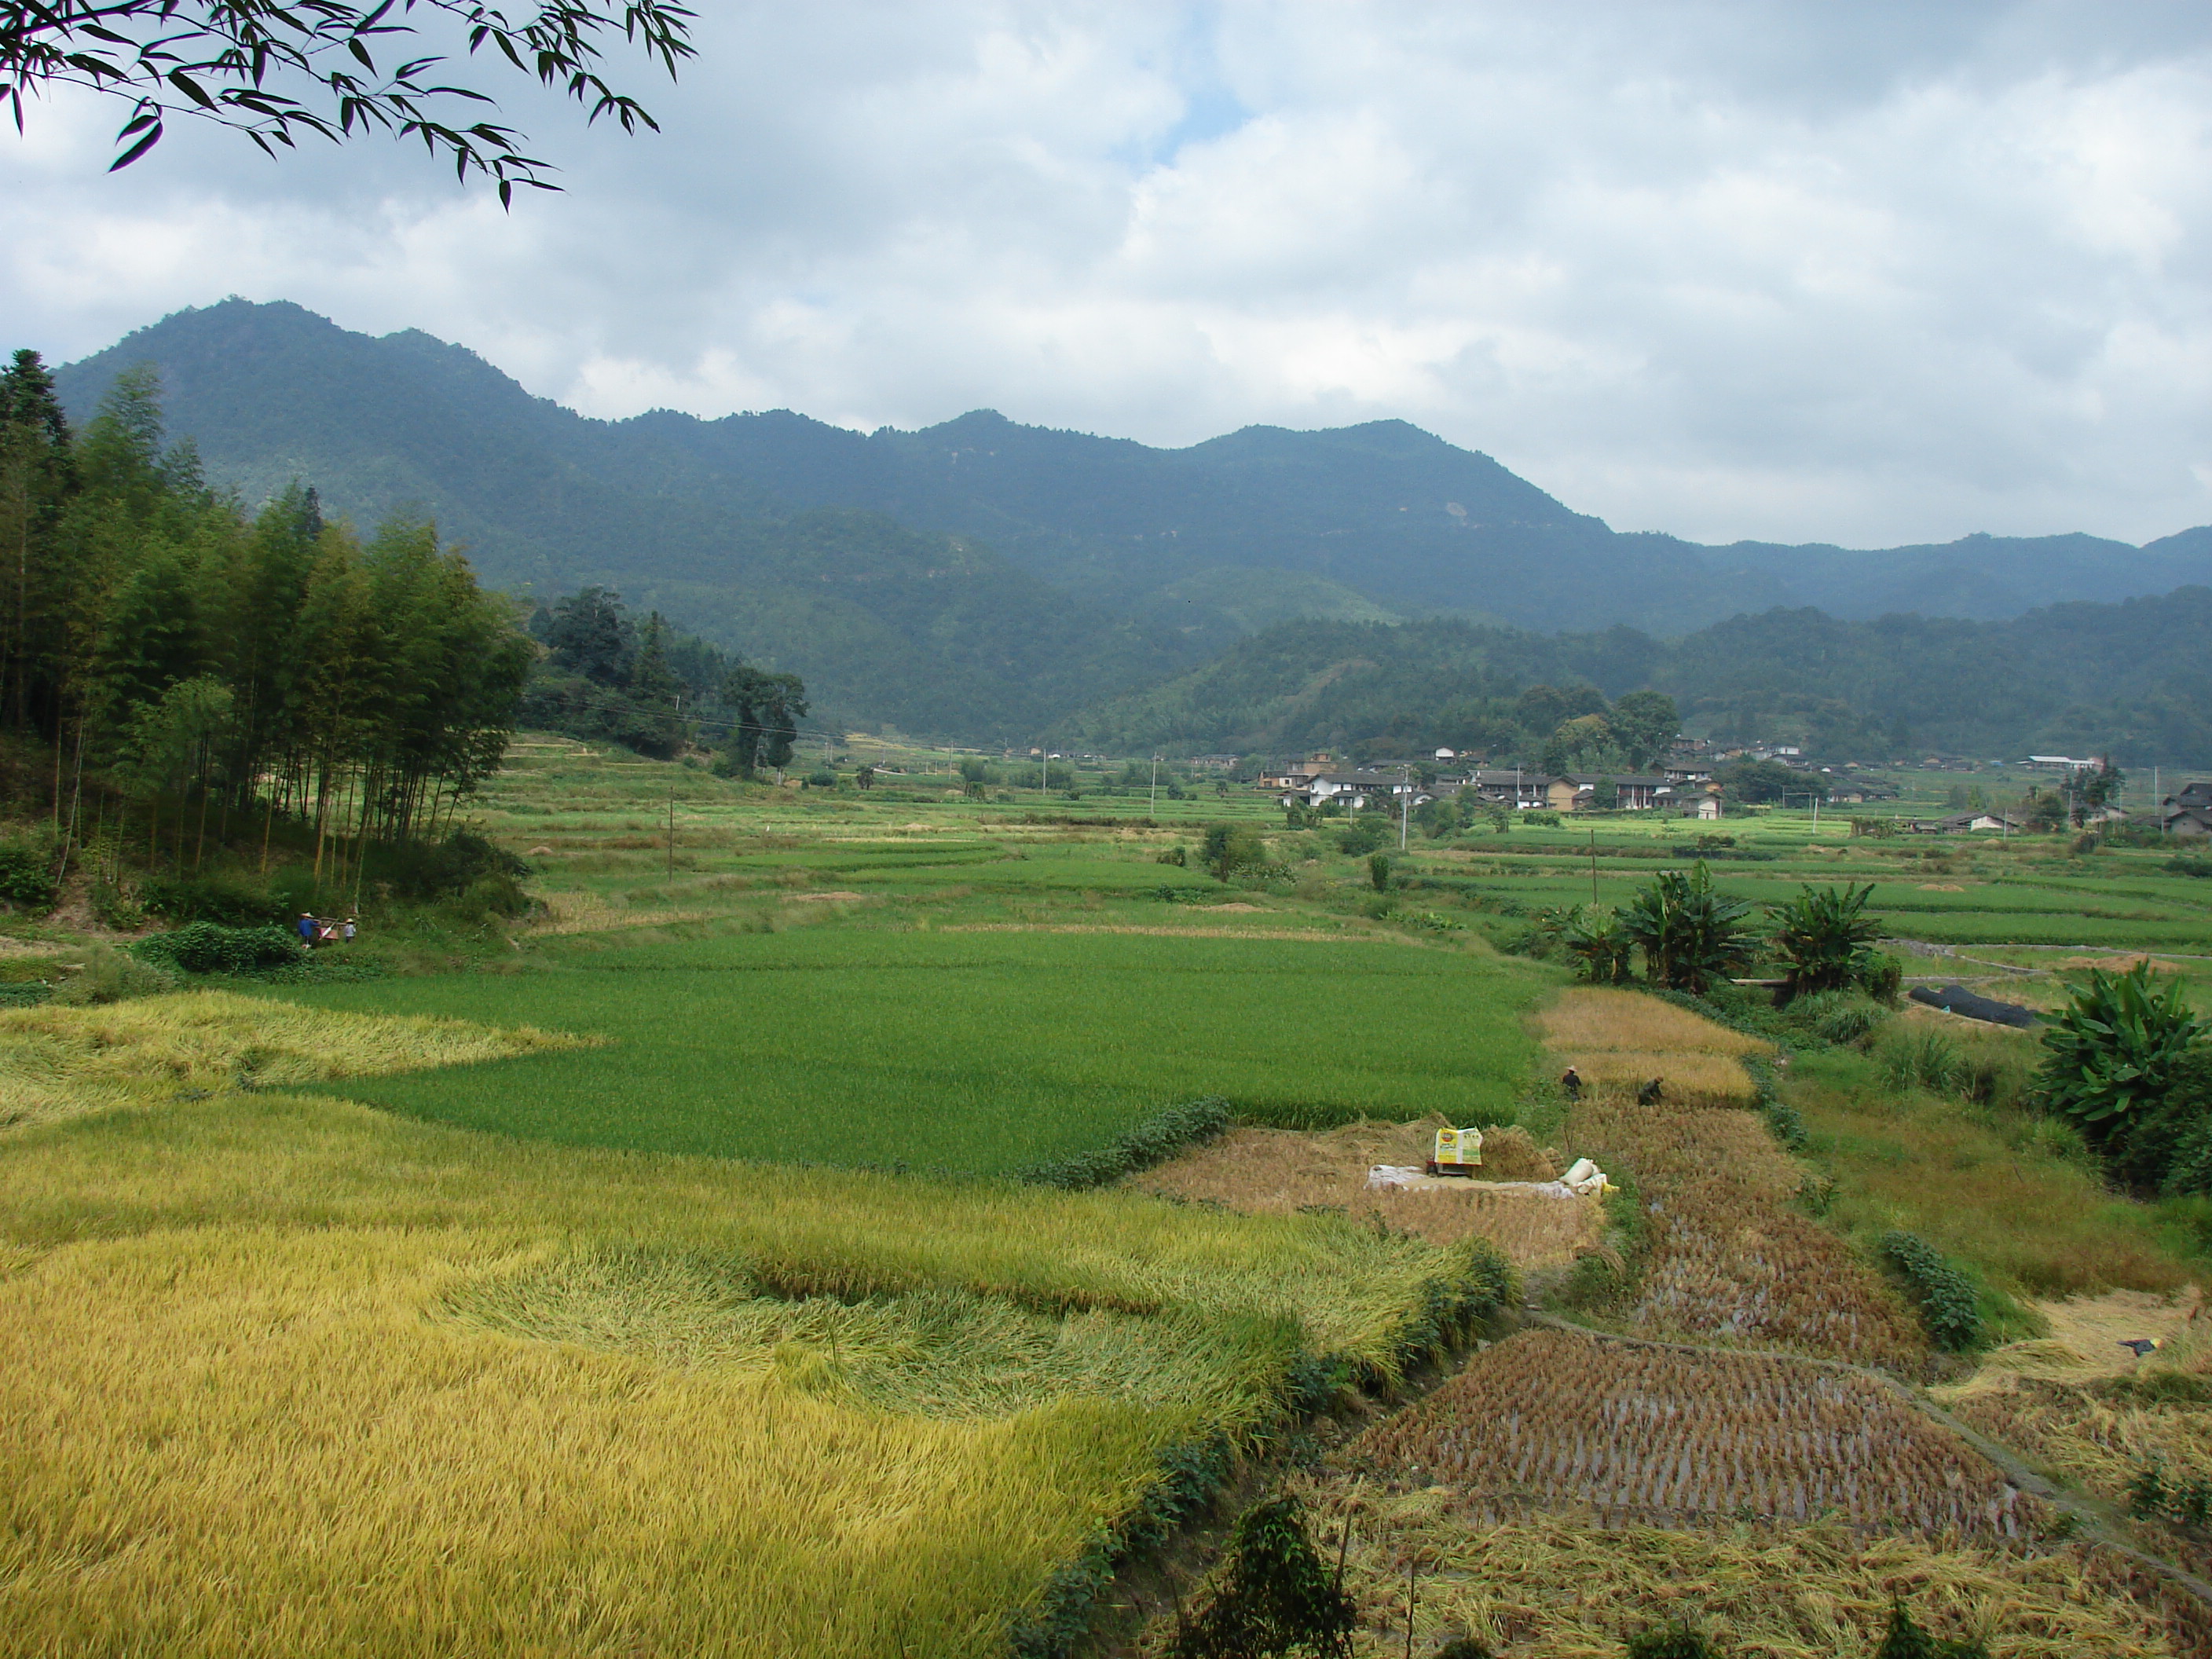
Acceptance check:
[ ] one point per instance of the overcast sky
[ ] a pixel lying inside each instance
(1864, 272)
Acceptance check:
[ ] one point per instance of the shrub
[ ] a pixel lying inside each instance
(1177, 856)
(821, 778)
(1841, 1017)
(490, 895)
(1379, 872)
(111, 976)
(1231, 848)
(1681, 1641)
(1949, 1307)
(27, 873)
(1880, 975)
(207, 947)
(427, 870)
(211, 898)
(1923, 1059)
(2169, 1148)
(1904, 1639)
(1274, 1597)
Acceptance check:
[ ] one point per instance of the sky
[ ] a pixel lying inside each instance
(1871, 274)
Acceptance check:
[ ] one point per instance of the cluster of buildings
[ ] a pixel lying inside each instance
(1317, 780)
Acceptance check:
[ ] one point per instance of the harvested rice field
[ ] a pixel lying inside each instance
(2082, 1407)
(1281, 1171)
(1619, 1040)
(1637, 1435)
(1555, 1587)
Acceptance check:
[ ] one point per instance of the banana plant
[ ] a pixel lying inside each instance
(1602, 948)
(1825, 936)
(1691, 934)
(2112, 1051)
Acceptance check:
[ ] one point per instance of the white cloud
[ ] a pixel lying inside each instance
(1868, 274)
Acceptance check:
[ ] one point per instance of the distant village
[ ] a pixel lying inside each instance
(1684, 786)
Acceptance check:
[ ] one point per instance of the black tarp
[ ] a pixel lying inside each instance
(1957, 1000)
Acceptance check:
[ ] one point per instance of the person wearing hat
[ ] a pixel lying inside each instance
(1571, 1083)
(306, 930)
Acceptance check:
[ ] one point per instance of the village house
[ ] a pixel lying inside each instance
(1356, 791)
(1961, 823)
(2187, 811)
(1296, 777)
(1514, 788)
(1575, 792)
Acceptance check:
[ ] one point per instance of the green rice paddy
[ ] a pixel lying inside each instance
(970, 1052)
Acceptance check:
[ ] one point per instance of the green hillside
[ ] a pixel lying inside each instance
(1409, 523)
(2132, 679)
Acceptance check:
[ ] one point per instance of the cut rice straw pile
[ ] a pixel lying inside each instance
(1279, 1171)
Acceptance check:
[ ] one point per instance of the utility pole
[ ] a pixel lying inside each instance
(1404, 806)
(1044, 765)
(1155, 806)
(1592, 844)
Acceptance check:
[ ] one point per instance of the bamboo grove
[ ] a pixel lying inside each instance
(160, 644)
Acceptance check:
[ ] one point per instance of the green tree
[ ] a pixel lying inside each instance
(766, 709)
(1583, 742)
(275, 73)
(588, 633)
(1691, 935)
(1768, 780)
(1826, 936)
(1273, 1595)
(1644, 724)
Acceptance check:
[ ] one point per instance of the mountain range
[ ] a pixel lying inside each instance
(982, 578)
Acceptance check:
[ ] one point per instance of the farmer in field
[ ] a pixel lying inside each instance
(1652, 1092)
(306, 930)
(1571, 1083)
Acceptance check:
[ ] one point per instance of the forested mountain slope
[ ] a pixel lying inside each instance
(2133, 678)
(930, 631)
(1382, 512)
